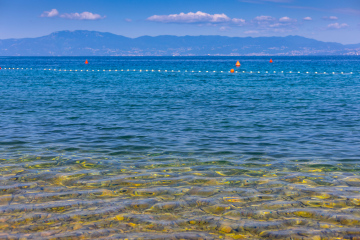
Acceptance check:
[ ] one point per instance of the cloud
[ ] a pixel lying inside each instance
(337, 26)
(128, 20)
(268, 23)
(238, 21)
(285, 19)
(196, 18)
(82, 16)
(260, 23)
(225, 28)
(307, 18)
(74, 16)
(264, 19)
(330, 18)
(251, 32)
(52, 13)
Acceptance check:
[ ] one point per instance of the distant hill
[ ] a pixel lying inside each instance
(91, 43)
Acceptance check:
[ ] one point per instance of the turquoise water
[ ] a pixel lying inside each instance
(271, 151)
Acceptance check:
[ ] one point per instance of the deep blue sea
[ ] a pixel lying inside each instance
(179, 148)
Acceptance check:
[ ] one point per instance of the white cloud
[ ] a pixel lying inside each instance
(285, 19)
(197, 18)
(307, 18)
(330, 18)
(264, 19)
(52, 13)
(238, 21)
(275, 25)
(128, 20)
(75, 16)
(225, 28)
(251, 32)
(337, 26)
(268, 23)
(82, 16)
(260, 23)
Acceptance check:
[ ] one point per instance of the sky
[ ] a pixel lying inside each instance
(324, 20)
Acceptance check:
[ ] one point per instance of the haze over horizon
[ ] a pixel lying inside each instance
(187, 35)
(328, 21)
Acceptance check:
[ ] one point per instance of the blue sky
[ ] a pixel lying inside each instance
(325, 20)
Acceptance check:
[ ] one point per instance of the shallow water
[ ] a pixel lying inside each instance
(180, 155)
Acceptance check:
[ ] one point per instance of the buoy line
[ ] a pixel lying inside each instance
(178, 71)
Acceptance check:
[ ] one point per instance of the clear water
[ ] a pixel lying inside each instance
(180, 155)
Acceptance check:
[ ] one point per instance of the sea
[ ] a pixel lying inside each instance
(180, 148)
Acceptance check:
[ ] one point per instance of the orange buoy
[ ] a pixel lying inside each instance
(271, 60)
(237, 64)
(0, 67)
(232, 70)
(86, 61)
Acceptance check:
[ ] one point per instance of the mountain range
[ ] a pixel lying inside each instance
(92, 43)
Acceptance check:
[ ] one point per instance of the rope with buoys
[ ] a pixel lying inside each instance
(177, 71)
